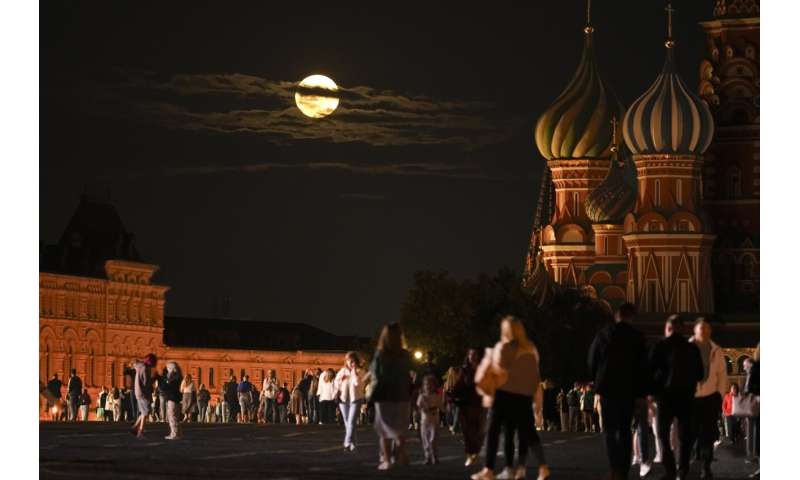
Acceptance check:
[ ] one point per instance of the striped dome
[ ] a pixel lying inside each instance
(668, 118)
(613, 198)
(577, 124)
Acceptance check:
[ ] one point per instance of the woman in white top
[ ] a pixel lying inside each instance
(326, 394)
(187, 401)
(114, 404)
(349, 387)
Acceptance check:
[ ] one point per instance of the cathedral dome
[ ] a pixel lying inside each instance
(613, 198)
(576, 125)
(668, 117)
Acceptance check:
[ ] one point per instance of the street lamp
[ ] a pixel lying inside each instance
(418, 355)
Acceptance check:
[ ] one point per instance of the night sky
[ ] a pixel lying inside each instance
(186, 114)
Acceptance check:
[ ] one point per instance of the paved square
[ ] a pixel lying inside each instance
(97, 450)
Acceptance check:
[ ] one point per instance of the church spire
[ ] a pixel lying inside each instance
(588, 29)
(670, 42)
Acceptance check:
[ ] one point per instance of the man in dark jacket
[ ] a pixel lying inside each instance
(676, 367)
(616, 360)
(74, 390)
(230, 400)
(574, 407)
(203, 397)
(54, 387)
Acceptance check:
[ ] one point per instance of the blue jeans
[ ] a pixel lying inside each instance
(349, 417)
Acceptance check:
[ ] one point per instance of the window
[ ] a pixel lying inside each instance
(657, 197)
(242, 374)
(654, 226)
(683, 226)
(734, 182)
(211, 377)
(113, 374)
(683, 296)
(576, 203)
(652, 295)
(605, 246)
(199, 376)
(679, 191)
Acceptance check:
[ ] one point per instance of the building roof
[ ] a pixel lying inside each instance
(95, 234)
(578, 124)
(228, 333)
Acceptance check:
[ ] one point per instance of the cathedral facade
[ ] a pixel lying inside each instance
(656, 203)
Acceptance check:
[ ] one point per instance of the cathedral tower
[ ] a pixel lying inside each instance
(574, 135)
(668, 236)
(729, 81)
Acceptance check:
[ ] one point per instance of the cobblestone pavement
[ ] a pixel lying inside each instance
(97, 450)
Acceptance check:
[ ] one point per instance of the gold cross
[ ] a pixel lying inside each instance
(669, 10)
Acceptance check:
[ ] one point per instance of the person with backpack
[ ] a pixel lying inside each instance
(616, 359)
(282, 402)
(74, 391)
(676, 367)
(244, 392)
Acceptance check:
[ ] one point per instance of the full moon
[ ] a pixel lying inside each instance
(317, 106)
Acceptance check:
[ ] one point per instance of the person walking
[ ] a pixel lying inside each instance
(574, 407)
(430, 404)
(188, 391)
(349, 387)
(563, 410)
(676, 368)
(54, 399)
(512, 372)
(708, 395)
(587, 408)
(390, 373)
(471, 414)
(74, 391)
(244, 392)
(282, 402)
(229, 399)
(162, 399)
(616, 359)
(83, 405)
(731, 422)
(326, 393)
(752, 386)
(203, 398)
(143, 390)
(170, 385)
(114, 405)
(101, 404)
(452, 379)
(313, 398)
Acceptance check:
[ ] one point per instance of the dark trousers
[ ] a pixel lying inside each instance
(705, 430)
(472, 421)
(617, 416)
(675, 406)
(574, 418)
(642, 425)
(512, 413)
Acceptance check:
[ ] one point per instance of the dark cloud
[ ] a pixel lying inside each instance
(245, 104)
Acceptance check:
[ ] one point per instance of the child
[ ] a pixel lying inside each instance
(172, 388)
(429, 403)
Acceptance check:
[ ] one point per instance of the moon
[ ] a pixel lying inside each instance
(317, 106)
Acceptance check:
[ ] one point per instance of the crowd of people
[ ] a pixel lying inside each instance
(674, 395)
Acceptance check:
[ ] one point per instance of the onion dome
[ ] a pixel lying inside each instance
(610, 201)
(668, 118)
(576, 125)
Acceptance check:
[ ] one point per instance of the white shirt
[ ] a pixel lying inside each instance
(325, 390)
(269, 388)
(350, 384)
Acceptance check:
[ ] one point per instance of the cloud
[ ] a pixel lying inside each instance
(400, 169)
(245, 104)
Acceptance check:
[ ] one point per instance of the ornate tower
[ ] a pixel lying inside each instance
(729, 81)
(574, 135)
(667, 235)
(606, 207)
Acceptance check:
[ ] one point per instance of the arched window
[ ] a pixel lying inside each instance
(657, 196)
(728, 365)
(576, 206)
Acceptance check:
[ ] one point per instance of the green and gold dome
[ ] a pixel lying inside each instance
(578, 124)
